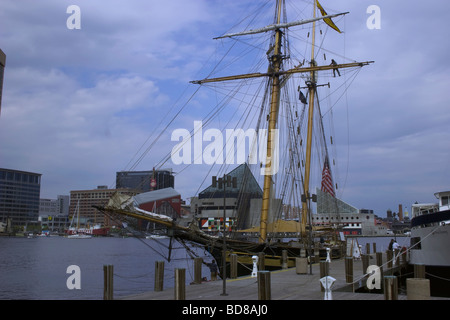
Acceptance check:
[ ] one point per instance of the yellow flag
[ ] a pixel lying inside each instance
(328, 21)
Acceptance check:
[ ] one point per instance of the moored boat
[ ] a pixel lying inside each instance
(430, 237)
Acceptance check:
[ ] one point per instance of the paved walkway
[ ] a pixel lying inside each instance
(285, 285)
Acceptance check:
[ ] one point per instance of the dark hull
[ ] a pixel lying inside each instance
(438, 276)
(245, 250)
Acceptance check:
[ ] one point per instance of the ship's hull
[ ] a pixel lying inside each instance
(430, 239)
(244, 249)
(92, 231)
(273, 256)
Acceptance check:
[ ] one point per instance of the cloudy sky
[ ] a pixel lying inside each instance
(81, 104)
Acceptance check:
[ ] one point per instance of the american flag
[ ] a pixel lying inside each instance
(327, 181)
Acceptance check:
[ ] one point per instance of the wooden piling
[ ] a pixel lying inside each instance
(374, 247)
(301, 265)
(198, 270)
(108, 276)
(390, 288)
(233, 266)
(159, 275)
(367, 248)
(316, 254)
(379, 256)
(284, 259)
(264, 290)
(389, 255)
(349, 269)
(180, 284)
(397, 257)
(418, 289)
(403, 258)
(261, 261)
(419, 271)
(302, 253)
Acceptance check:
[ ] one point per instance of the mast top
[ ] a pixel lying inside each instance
(279, 26)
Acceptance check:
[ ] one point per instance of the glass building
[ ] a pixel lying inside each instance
(141, 181)
(19, 196)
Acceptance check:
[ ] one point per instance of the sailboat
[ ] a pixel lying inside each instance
(282, 69)
(75, 232)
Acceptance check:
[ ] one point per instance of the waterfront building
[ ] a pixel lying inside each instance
(334, 212)
(54, 213)
(145, 181)
(244, 200)
(163, 201)
(84, 200)
(19, 197)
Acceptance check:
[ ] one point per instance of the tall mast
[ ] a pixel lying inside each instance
(312, 93)
(275, 73)
(273, 116)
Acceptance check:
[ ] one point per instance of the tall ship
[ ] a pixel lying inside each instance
(430, 236)
(277, 100)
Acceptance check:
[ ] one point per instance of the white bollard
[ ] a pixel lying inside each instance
(327, 283)
(328, 255)
(255, 266)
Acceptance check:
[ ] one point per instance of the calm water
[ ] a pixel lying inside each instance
(35, 269)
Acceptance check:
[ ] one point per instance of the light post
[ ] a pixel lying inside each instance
(308, 198)
(223, 183)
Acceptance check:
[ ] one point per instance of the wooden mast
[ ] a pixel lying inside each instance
(312, 93)
(273, 117)
(275, 73)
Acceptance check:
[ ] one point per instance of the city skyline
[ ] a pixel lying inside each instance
(79, 105)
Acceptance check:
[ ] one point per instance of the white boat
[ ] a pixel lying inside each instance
(430, 238)
(77, 232)
(156, 236)
(79, 236)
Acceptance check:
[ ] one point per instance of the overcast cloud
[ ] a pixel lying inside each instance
(79, 104)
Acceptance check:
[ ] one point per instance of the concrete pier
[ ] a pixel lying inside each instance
(286, 284)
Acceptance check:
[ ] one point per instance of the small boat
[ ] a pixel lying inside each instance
(77, 232)
(156, 236)
(79, 236)
(430, 236)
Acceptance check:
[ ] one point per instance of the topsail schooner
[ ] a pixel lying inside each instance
(281, 70)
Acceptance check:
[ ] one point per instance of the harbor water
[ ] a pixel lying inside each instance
(37, 268)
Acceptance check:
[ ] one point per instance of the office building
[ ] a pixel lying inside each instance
(19, 197)
(145, 181)
(54, 214)
(244, 200)
(82, 201)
